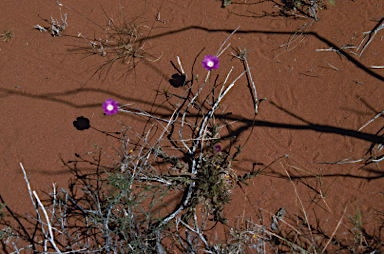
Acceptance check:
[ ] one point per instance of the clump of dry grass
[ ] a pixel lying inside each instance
(125, 42)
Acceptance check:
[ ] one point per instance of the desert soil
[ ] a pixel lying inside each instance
(316, 101)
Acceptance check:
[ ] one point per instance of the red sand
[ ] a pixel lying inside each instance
(312, 111)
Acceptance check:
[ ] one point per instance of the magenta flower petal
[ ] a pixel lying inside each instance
(211, 62)
(110, 107)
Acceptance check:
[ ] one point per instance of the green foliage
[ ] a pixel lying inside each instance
(316, 4)
(358, 231)
(214, 181)
(2, 207)
(226, 3)
(2, 215)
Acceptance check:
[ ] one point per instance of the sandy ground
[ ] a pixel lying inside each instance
(316, 101)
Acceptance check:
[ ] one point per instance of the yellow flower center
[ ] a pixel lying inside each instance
(110, 107)
(210, 63)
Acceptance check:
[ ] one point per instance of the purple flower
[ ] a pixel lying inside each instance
(110, 107)
(211, 62)
(218, 148)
